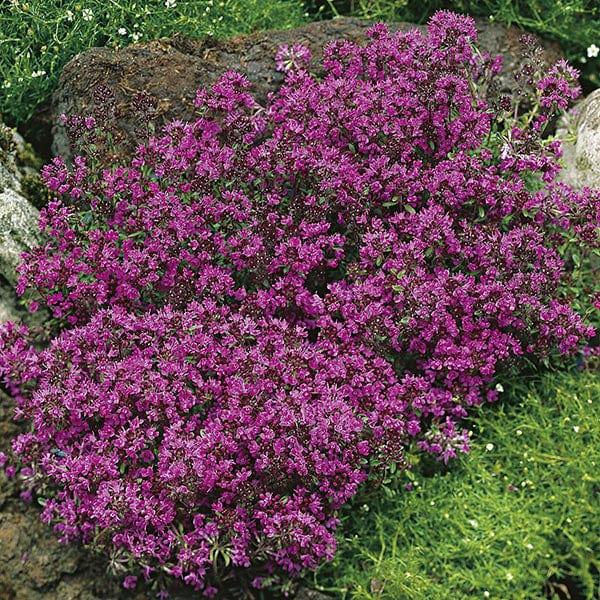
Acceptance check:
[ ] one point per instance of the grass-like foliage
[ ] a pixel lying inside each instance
(38, 37)
(268, 305)
(574, 24)
(516, 518)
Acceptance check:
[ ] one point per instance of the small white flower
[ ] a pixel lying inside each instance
(576, 428)
(38, 73)
(170, 3)
(122, 31)
(6, 84)
(473, 523)
(489, 447)
(486, 594)
(509, 576)
(529, 546)
(593, 51)
(70, 15)
(87, 14)
(519, 432)
(136, 36)
(499, 387)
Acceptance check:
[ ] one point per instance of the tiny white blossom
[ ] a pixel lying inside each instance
(489, 447)
(38, 73)
(576, 428)
(87, 14)
(486, 594)
(70, 15)
(529, 546)
(499, 387)
(6, 84)
(136, 36)
(170, 3)
(473, 523)
(509, 576)
(122, 31)
(519, 432)
(593, 51)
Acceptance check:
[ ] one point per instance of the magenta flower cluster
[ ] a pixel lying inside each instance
(268, 304)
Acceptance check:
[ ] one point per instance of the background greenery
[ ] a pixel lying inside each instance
(38, 37)
(517, 518)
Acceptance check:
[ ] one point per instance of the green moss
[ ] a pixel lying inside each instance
(27, 157)
(35, 190)
(583, 163)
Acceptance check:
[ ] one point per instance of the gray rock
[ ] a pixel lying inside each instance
(308, 594)
(579, 132)
(171, 70)
(19, 230)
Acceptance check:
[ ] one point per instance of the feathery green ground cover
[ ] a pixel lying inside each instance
(520, 511)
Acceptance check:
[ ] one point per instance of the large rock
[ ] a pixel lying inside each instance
(580, 134)
(171, 70)
(19, 230)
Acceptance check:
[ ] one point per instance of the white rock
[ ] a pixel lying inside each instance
(579, 132)
(19, 230)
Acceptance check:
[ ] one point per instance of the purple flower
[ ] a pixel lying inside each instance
(292, 58)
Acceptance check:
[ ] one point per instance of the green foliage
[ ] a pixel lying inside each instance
(574, 24)
(517, 518)
(37, 37)
(34, 189)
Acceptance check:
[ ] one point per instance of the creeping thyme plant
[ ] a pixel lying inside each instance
(268, 304)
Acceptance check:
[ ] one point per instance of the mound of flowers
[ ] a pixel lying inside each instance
(267, 305)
